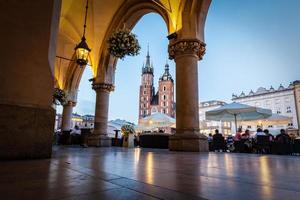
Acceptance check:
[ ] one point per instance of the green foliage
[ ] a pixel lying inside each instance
(127, 129)
(123, 43)
(59, 96)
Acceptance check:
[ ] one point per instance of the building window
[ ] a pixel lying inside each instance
(270, 126)
(290, 124)
(278, 112)
(164, 97)
(288, 109)
(248, 126)
(144, 91)
(164, 103)
(164, 88)
(145, 86)
(164, 111)
(144, 105)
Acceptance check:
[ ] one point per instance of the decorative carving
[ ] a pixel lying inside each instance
(70, 103)
(187, 46)
(106, 87)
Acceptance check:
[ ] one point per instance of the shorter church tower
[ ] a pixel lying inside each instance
(166, 93)
(146, 89)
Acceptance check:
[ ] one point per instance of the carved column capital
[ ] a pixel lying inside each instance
(70, 103)
(186, 46)
(106, 87)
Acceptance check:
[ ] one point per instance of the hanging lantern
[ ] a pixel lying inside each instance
(82, 49)
(82, 52)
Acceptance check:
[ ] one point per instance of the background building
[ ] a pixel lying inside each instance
(161, 101)
(283, 101)
(207, 126)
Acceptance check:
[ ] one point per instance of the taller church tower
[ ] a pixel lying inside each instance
(146, 88)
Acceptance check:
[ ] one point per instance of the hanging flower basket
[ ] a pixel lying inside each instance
(123, 43)
(127, 129)
(59, 96)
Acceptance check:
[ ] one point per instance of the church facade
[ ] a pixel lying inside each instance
(152, 101)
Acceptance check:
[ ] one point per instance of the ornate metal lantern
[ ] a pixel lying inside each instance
(82, 49)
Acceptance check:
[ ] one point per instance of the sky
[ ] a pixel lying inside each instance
(250, 43)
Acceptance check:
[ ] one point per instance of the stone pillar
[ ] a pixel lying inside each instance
(67, 116)
(186, 53)
(297, 102)
(99, 136)
(26, 78)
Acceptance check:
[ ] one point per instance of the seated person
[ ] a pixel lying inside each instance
(75, 135)
(246, 135)
(76, 130)
(218, 141)
(217, 135)
(259, 132)
(267, 133)
(210, 138)
(283, 137)
(238, 135)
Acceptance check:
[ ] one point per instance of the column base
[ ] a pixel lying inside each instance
(193, 142)
(95, 140)
(26, 132)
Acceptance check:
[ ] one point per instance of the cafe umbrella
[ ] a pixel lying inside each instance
(237, 112)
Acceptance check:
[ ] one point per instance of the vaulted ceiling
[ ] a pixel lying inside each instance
(101, 14)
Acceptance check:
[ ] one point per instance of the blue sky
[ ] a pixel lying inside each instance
(250, 43)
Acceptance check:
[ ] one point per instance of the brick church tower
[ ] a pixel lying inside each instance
(166, 93)
(146, 89)
(161, 101)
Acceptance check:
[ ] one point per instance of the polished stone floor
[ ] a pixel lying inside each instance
(120, 173)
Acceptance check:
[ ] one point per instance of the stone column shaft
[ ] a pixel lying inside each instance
(67, 116)
(186, 53)
(187, 94)
(99, 135)
(101, 112)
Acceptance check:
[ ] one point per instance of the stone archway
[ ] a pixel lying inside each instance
(27, 113)
(186, 48)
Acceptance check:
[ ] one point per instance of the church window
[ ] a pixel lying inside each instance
(164, 97)
(164, 88)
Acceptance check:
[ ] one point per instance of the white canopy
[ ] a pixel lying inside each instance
(237, 111)
(156, 120)
(275, 119)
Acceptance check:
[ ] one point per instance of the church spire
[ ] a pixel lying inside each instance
(166, 76)
(148, 67)
(148, 58)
